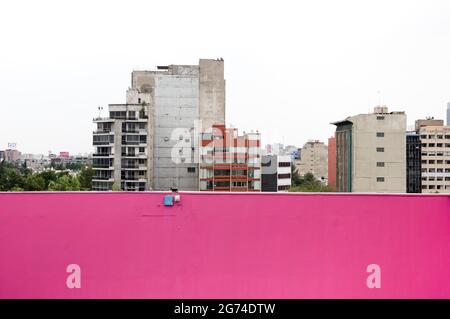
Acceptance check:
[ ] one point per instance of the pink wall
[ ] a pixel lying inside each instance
(224, 245)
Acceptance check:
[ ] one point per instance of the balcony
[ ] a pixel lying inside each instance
(102, 132)
(102, 155)
(102, 178)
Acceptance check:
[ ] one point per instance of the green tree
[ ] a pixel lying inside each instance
(34, 182)
(85, 178)
(116, 187)
(308, 183)
(10, 177)
(65, 182)
(48, 176)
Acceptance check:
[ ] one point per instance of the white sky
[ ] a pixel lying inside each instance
(291, 66)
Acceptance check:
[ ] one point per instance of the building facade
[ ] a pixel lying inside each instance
(448, 114)
(332, 163)
(413, 163)
(314, 160)
(435, 143)
(151, 142)
(370, 152)
(10, 155)
(275, 173)
(229, 162)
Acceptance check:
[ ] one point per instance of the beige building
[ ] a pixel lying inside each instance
(435, 158)
(314, 160)
(430, 121)
(371, 152)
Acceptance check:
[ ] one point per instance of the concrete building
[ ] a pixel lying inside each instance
(370, 152)
(435, 158)
(151, 142)
(429, 121)
(314, 160)
(275, 173)
(332, 163)
(413, 163)
(229, 162)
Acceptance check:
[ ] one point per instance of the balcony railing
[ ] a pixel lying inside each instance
(102, 178)
(102, 154)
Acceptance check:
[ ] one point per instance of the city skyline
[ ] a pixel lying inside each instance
(295, 76)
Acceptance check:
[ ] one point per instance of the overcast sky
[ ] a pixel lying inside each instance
(292, 67)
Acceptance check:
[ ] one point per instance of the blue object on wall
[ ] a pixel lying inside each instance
(168, 200)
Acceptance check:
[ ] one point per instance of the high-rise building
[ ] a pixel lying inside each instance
(332, 163)
(314, 160)
(435, 158)
(413, 163)
(229, 162)
(370, 152)
(151, 142)
(276, 173)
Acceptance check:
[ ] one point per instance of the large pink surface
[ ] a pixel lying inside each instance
(129, 245)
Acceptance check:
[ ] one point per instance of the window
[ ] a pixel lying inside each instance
(284, 176)
(284, 164)
(380, 134)
(191, 169)
(380, 118)
(380, 179)
(380, 149)
(380, 164)
(423, 137)
(141, 149)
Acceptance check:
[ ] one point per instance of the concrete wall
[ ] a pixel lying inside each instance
(259, 245)
(176, 111)
(212, 92)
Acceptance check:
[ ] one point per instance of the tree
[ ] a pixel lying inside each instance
(116, 187)
(308, 183)
(34, 182)
(85, 178)
(10, 177)
(65, 182)
(48, 176)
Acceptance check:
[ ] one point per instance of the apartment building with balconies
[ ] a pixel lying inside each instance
(230, 162)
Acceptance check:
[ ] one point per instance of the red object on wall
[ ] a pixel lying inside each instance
(332, 162)
(224, 245)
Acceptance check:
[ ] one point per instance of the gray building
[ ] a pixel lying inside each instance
(151, 142)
